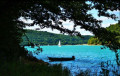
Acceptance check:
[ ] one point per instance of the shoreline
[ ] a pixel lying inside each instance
(71, 45)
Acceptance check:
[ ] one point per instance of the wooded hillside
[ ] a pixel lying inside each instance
(115, 28)
(45, 38)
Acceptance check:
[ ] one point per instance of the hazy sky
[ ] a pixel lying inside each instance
(69, 24)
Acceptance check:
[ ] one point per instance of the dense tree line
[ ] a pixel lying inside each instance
(115, 28)
(45, 38)
(94, 41)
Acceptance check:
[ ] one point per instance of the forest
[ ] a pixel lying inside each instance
(115, 28)
(46, 38)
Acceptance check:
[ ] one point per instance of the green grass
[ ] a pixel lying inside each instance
(32, 69)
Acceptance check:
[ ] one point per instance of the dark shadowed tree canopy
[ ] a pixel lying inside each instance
(50, 14)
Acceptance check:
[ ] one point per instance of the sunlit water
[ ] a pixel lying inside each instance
(86, 57)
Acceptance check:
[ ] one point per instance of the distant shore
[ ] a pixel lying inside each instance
(72, 45)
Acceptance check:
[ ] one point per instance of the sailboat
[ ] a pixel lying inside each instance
(59, 44)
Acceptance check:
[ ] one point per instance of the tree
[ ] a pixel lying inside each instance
(112, 28)
(47, 12)
(94, 41)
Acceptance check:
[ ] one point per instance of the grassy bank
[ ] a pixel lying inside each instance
(30, 68)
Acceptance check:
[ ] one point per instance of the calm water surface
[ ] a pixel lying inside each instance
(86, 57)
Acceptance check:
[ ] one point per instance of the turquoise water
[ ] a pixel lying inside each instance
(86, 57)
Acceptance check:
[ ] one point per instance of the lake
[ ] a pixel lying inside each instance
(86, 57)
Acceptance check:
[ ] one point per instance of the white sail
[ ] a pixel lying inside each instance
(59, 44)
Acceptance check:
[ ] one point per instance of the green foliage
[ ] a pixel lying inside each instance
(45, 38)
(32, 69)
(112, 28)
(115, 28)
(94, 41)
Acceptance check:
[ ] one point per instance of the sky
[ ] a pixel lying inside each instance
(69, 24)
